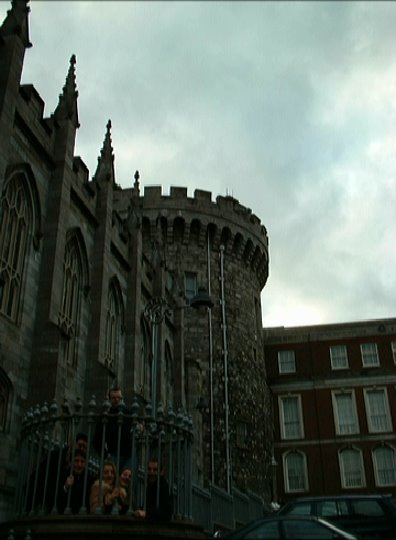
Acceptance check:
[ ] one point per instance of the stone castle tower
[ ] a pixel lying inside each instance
(81, 262)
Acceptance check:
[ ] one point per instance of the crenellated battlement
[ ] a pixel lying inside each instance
(222, 207)
(189, 220)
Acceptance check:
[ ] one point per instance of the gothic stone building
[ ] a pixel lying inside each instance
(82, 261)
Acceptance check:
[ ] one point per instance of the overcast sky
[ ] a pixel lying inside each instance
(290, 107)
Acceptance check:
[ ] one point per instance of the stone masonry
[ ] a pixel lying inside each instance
(73, 293)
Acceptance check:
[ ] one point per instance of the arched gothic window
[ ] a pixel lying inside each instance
(5, 400)
(169, 379)
(71, 300)
(143, 367)
(15, 226)
(113, 329)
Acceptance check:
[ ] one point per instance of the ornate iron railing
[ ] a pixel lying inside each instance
(48, 446)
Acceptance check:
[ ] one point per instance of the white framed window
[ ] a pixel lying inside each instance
(345, 412)
(286, 362)
(290, 415)
(295, 472)
(384, 461)
(369, 354)
(393, 347)
(190, 279)
(377, 410)
(338, 357)
(351, 468)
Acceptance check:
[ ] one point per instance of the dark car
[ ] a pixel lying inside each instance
(275, 527)
(366, 516)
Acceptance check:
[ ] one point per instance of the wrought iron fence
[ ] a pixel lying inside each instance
(129, 438)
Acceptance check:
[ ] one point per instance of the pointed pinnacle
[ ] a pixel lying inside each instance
(136, 188)
(70, 88)
(16, 21)
(67, 105)
(106, 158)
(107, 149)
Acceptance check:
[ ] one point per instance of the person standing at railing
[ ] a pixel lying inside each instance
(104, 492)
(125, 498)
(158, 499)
(117, 441)
(57, 459)
(71, 495)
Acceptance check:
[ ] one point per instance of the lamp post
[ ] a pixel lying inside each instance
(274, 465)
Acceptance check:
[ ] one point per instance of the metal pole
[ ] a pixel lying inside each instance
(210, 371)
(153, 366)
(225, 347)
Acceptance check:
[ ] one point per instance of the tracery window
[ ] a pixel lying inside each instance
(14, 230)
(143, 367)
(5, 399)
(169, 378)
(71, 300)
(113, 330)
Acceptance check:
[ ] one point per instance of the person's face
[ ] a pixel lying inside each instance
(125, 477)
(81, 445)
(115, 397)
(78, 464)
(152, 471)
(108, 474)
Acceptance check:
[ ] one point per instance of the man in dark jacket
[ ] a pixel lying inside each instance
(72, 485)
(118, 424)
(158, 503)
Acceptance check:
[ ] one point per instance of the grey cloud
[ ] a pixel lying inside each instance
(274, 102)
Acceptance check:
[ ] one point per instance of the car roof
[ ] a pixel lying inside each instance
(274, 516)
(332, 497)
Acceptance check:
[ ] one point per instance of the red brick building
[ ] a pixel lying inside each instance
(334, 395)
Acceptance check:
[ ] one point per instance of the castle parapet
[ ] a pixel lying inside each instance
(192, 219)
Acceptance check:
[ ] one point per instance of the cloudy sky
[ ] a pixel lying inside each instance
(290, 107)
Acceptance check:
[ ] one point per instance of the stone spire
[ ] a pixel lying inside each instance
(136, 187)
(105, 168)
(67, 105)
(16, 22)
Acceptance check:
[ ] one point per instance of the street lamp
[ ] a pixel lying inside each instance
(274, 465)
(154, 312)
